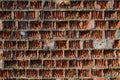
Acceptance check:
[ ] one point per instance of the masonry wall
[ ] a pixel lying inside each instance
(62, 40)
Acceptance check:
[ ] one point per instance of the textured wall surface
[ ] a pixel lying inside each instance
(59, 39)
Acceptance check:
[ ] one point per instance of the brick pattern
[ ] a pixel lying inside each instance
(59, 40)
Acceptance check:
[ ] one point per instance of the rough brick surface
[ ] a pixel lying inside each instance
(59, 39)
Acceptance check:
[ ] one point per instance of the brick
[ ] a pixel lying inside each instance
(100, 44)
(8, 25)
(49, 44)
(10, 64)
(33, 35)
(31, 54)
(99, 78)
(19, 15)
(116, 44)
(45, 73)
(22, 4)
(48, 4)
(57, 54)
(58, 73)
(44, 54)
(49, 63)
(1, 44)
(88, 4)
(88, 44)
(6, 34)
(97, 15)
(109, 54)
(35, 63)
(58, 15)
(32, 73)
(72, 63)
(46, 34)
(76, 4)
(48, 25)
(9, 44)
(7, 73)
(79, 64)
(116, 4)
(74, 44)
(84, 15)
(86, 34)
(35, 25)
(118, 14)
(1, 5)
(83, 54)
(103, 4)
(114, 24)
(59, 34)
(109, 72)
(110, 15)
(76, 25)
(71, 15)
(115, 63)
(97, 72)
(70, 54)
(62, 4)
(97, 53)
(87, 63)
(61, 44)
(22, 45)
(35, 44)
(19, 73)
(97, 34)
(100, 63)
(118, 53)
(89, 24)
(62, 25)
(7, 54)
(23, 25)
(62, 63)
(101, 24)
(22, 63)
(9, 4)
(5, 15)
(36, 4)
(30, 15)
(72, 34)
(18, 54)
(70, 73)
(47, 15)
(83, 73)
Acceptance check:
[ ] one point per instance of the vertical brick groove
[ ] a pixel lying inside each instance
(59, 39)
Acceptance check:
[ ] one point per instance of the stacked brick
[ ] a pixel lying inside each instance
(60, 40)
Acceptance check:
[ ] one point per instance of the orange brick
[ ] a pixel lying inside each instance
(84, 15)
(72, 34)
(97, 72)
(103, 4)
(100, 63)
(110, 15)
(83, 73)
(88, 44)
(59, 34)
(85, 34)
(62, 25)
(88, 4)
(83, 54)
(70, 54)
(97, 15)
(35, 44)
(61, 44)
(49, 63)
(74, 44)
(62, 63)
(46, 34)
(76, 25)
(101, 25)
(97, 34)
(97, 54)
(33, 35)
(114, 63)
(88, 63)
(109, 54)
(114, 24)
(58, 73)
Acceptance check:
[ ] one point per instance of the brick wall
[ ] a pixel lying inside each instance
(59, 39)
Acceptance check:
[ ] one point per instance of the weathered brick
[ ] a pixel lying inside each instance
(97, 53)
(49, 63)
(19, 73)
(32, 73)
(114, 63)
(76, 4)
(57, 73)
(7, 54)
(22, 4)
(36, 4)
(62, 63)
(8, 25)
(83, 54)
(74, 44)
(114, 24)
(88, 44)
(70, 54)
(5, 15)
(70, 73)
(109, 53)
(57, 54)
(31, 54)
(88, 4)
(44, 54)
(7, 73)
(100, 63)
(116, 44)
(97, 72)
(72, 63)
(19, 15)
(45, 73)
(9, 44)
(35, 44)
(35, 63)
(18, 54)
(10, 64)
(83, 73)
(61, 44)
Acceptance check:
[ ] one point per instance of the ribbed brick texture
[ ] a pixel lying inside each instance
(59, 39)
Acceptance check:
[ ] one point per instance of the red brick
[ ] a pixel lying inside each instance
(18, 54)
(111, 72)
(88, 63)
(35, 63)
(110, 15)
(61, 44)
(85, 34)
(59, 34)
(97, 34)
(7, 73)
(9, 4)
(97, 53)
(33, 35)
(114, 63)
(76, 4)
(63, 4)
(5, 15)
(45, 73)
(46, 34)
(44, 54)
(49, 63)
(84, 15)
(48, 4)
(22, 45)
(118, 53)
(36, 4)
(83, 73)
(88, 4)
(99, 78)
(1, 5)
(58, 73)
(79, 63)
(22, 64)
(70, 54)
(19, 72)
(83, 54)
(35, 25)
(109, 54)
(118, 15)
(32, 73)
(48, 25)
(114, 24)
(72, 34)
(70, 73)
(35, 44)
(19, 15)
(22, 4)
(101, 24)
(31, 54)
(6, 34)
(111, 34)
(9, 44)
(47, 15)
(117, 4)
(7, 54)
(1, 44)
(71, 15)
(76, 25)
(57, 54)
(103, 4)
(30, 15)
(74, 44)
(8, 25)
(62, 25)
(72, 63)
(88, 44)
(116, 44)
(23, 25)
(97, 72)
(10, 64)
(100, 63)
(97, 15)
(58, 15)
(62, 63)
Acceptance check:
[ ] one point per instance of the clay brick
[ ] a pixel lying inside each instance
(48, 25)
(111, 72)
(76, 25)
(86, 34)
(109, 53)
(79, 64)
(97, 34)
(22, 45)
(48, 4)
(110, 15)
(9, 4)
(70, 54)
(35, 44)
(31, 54)
(117, 4)
(5, 15)
(115, 63)
(8, 25)
(30, 15)
(88, 24)
(118, 53)
(57, 54)
(100, 63)
(62, 25)
(22, 4)
(101, 25)
(62, 4)
(114, 24)
(62, 63)
(72, 63)
(74, 44)
(6, 34)
(88, 4)
(36, 4)
(35, 25)
(58, 15)
(116, 44)
(83, 73)
(45, 73)
(59, 34)
(47, 15)
(19, 15)
(97, 72)
(61, 44)
(84, 15)
(70, 73)
(88, 44)
(49, 63)
(97, 15)
(10, 64)
(23, 25)
(76, 4)
(71, 15)
(9, 44)
(32, 73)
(35, 63)
(72, 34)
(46, 34)
(97, 53)
(18, 54)
(17, 35)
(83, 54)
(7, 73)
(88, 63)
(22, 63)
(103, 4)
(44, 54)
(33, 35)
(7, 54)
(19, 72)
(58, 73)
